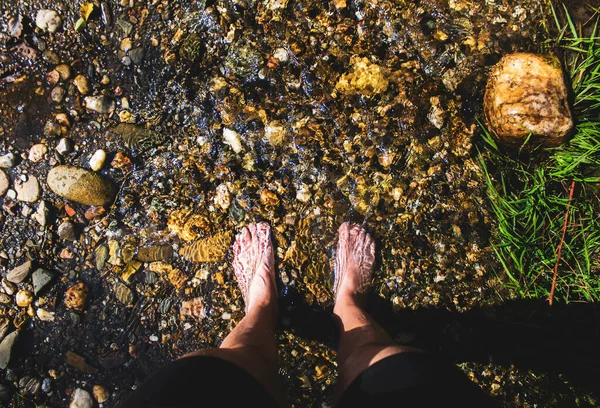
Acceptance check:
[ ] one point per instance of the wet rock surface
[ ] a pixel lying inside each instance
(216, 114)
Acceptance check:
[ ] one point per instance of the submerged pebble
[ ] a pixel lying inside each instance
(80, 185)
(48, 20)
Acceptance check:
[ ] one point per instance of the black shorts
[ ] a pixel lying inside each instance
(405, 379)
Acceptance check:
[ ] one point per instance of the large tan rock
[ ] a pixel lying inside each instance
(526, 93)
(80, 185)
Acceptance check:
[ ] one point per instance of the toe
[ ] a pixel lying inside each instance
(343, 231)
(244, 237)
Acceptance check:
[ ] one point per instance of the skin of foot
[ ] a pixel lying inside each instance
(254, 265)
(354, 263)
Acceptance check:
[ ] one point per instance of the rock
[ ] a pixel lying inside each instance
(275, 132)
(48, 20)
(4, 326)
(281, 55)
(126, 44)
(81, 399)
(4, 183)
(23, 298)
(100, 104)
(28, 191)
(4, 298)
(41, 277)
(80, 185)
(303, 193)
(112, 359)
(211, 249)
(18, 274)
(46, 385)
(232, 138)
(29, 385)
(37, 152)
(76, 296)
(193, 308)
(82, 84)
(8, 161)
(66, 231)
(137, 55)
(77, 361)
(97, 160)
(9, 287)
(45, 315)
(64, 72)
(100, 394)
(6, 348)
(41, 214)
(64, 146)
(436, 115)
(15, 26)
(58, 94)
(101, 254)
(162, 252)
(365, 78)
(123, 294)
(526, 93)
(222, 196)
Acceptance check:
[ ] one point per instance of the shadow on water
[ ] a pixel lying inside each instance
(562, 339)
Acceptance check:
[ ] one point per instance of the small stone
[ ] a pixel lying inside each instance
(45, 315)
(81, 399)
(62, 119)
(126, 26)
(4, 326)
(18, 274)
(222, 196)
(275, 132)
(80, 185)
(77, 361)
(66, 231)
(303, 194)
(82, 84)
(105, 80)
(76, 296)
(365, 78)
(11, 194)
(4, 298)
(46, 385)
(232, 138)
(126, 44)
(162, 252)
(28, 191)
(100, 104)
(9, 287)
(48, 20)
(37, 152)
(64, 72)
(58, 94)
(41, 278)
(6, 348)
(24, 298)
(8, 161)
(526, 94)
(100, 394)
(4, 183)
(123, 294)
(41, 214)
(193, 308)
(101, 253)
(64, 146)
(29, 385)
(15, 26)
(97, 160)
(281, 55)
(26, 210)
(112, 359)
(137, 55)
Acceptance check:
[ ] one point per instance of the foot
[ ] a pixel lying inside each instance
(254, 266)
(353, 264)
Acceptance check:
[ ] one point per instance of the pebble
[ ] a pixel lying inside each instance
(281, 55)
(6, 348)
(10, 288)
(66, 231)
(46, 385)
(29, 385)
(4, 326)
(41, 214)
(303, 194)
(58, 94)
(48, 20)
(97, 160)
(18, 274)
(4, 183)
(24, 298)
(11, 194)
(64, 146)
(82, 84)
(232, 138)
(100, 394)
(101, 253)
(4, 298)
(126, 44)
(123, 294)
(8, 161)
(40, 278)
(222, 196)
(45, 315)
(64, 72)
(100, 104)
(81, 399)
(80, 185)
(28, 191)
(37, 152)
(137, 55)
(76, 296)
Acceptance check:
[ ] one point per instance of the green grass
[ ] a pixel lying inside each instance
(529, 192)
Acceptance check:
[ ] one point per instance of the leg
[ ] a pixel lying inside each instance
(362, 341)
(251, 345)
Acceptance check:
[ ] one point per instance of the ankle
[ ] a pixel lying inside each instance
(347, 300)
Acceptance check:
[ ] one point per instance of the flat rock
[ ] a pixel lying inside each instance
(526, 94)
(41, 278)
(18, 274)
(28, 191)
(4, 183)
(6, 348)
(8, 161)
(80, 185)
(100, 104)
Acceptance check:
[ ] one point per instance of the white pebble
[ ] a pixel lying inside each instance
(232, 138)
(281, 55)
(97, 160)
(37, 152)
(48, 20)
(154, 338)
(64, 146)
(81, 399)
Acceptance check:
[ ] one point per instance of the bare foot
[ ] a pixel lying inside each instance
(354, 262)
(254, 265)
